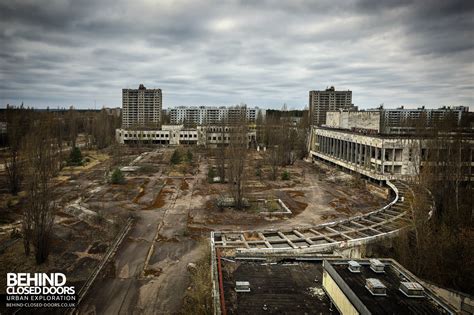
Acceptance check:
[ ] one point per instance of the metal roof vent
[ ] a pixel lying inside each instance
(377, 266)
(376, 287)
(242, 286)
(354, 266)
(412, 289)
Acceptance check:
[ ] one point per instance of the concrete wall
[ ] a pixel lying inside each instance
(357, 120)
(375, 156)
(337, 296)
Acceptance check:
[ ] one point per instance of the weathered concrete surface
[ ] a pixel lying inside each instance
(149, 273)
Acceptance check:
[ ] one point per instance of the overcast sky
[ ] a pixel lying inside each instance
(263, 53)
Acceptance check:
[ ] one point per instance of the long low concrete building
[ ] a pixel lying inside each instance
(380, 157)
(209, 136)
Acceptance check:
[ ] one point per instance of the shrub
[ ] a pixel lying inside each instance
(75, 157)
(189, 156)
(285, 175)
(117, 177)
(176, 157)
(210, 175)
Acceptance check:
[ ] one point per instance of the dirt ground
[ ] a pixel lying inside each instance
(174, 208)
(314, 193)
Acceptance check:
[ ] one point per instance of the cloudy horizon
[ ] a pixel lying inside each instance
(261, 53)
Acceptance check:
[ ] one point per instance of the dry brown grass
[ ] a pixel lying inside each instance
(198, 299)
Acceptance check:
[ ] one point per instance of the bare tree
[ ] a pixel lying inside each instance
(40, 155)
(221, 151)
(72, 125)
(237, 159)
(274, 160)
(17, 125)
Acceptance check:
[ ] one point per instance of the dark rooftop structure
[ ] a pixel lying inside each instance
(312, 284)
(376, 292)
(285, 287)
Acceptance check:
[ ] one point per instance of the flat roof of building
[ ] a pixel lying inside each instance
(395, 301)
(286, 287)
(294, 285)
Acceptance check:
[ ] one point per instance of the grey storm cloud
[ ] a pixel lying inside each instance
(60, 53)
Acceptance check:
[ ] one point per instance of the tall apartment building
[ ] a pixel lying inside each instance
(141, 108)
(212, 115)
(321, 102)
(402, 120)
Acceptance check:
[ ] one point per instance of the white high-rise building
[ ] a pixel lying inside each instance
(320, 102)
(141, 108)
(212, 115)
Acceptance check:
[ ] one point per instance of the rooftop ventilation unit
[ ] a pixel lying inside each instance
(376, 287)
(242, 286)
(412, 289)
(377, 266)
(354, 266)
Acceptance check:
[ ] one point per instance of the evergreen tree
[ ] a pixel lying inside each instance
(75, 157)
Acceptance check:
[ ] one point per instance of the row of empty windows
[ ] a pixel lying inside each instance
(148, 135)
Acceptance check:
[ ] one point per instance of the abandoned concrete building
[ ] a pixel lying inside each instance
(212, 115)
(141, 107)
(141, 122)
(356, 141)
(320, 102)
(394, 120)
(207, 136)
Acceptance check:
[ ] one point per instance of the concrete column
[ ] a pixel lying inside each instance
(325, 145)
(354, 158)
(382, 158)
(352, 151)
(349, 158)
(369, 166)
(340, 149)
(347, 150)
(356, 154)
(344, 150)
(367, 156)
(393, 160)
(328, 146)
(376, 158)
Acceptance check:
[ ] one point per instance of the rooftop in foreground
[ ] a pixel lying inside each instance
(275, 288)
(315, 285)
(357, 287)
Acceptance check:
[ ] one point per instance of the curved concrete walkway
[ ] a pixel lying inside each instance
(326, 237)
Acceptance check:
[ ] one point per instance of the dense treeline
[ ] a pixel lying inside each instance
(38, 143)
(440, 248)
(285, 134)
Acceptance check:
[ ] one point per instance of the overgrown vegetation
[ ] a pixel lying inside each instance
(198, 299)
(440, 247)
(285, 175)
(189, 156)
(117, 177)
(210, 175)
(176, 157)
(75, 157)
(38, 214)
